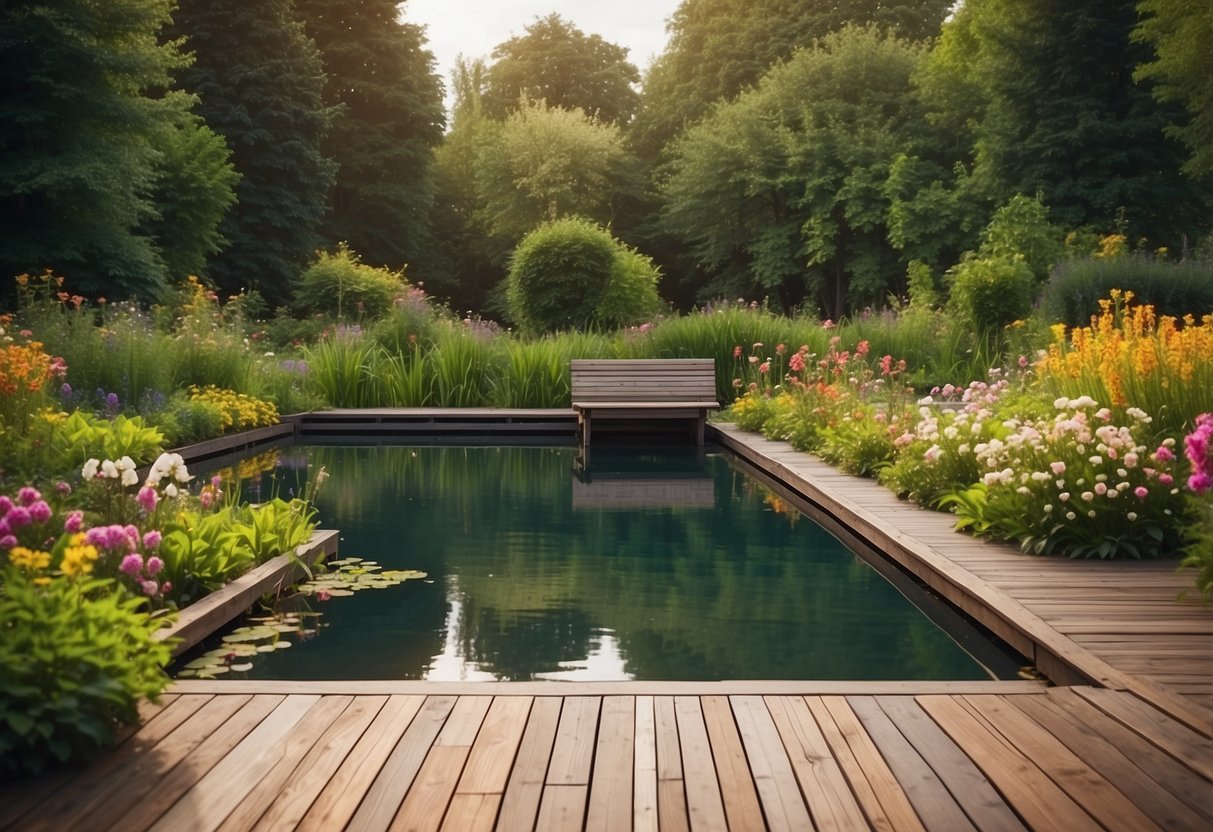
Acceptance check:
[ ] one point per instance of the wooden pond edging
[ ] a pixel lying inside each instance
(923, 543)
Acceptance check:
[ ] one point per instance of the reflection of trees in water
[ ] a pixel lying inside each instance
(736, 591)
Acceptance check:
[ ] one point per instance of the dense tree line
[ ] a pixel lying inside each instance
(806, 151)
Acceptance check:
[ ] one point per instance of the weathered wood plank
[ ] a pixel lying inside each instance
(430, 791)
(562, 808)
(671, 791)
(520, 806)
(644, 783)
(471, 812)
(741, 806)
(1179, 741)
(488, 767)
(773, 775)
(573, 751)
(336, 804)
(610, 806)
(705, 808)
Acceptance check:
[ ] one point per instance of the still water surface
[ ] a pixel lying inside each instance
(651, 566)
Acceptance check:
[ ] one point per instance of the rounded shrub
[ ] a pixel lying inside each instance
(992, 292)
(1073, 293)
(572, 274)
(341, 285)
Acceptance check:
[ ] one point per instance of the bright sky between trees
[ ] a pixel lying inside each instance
(473, 27)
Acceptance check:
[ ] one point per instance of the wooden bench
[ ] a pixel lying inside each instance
(643, 390)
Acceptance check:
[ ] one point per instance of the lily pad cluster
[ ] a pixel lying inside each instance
(351, 575)
(265, 634)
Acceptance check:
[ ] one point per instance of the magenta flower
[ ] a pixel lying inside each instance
(18, 516)
(8, 541)
(1166, 479)
(1141, 492)
(150, 588)
(74, 522)
(1164, 454)
(1200, 483)
(27, 496)
(131, 565)
(5, 504)
(154, 565)
(147, 498)
(151, 540)
(63, 487)
(40, 512)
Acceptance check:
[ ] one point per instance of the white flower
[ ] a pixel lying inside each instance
(1024, 490)
(1070, 515)
(1087, 496)
(1139, 414)
(109, 469)
(1062, 403)
(126, 466)
(89, 471)
(1091, 513)
(1048, 509)
(1132, 515)
(1040, 476)
(1064, 496)
(1096, 460)
(170, 490)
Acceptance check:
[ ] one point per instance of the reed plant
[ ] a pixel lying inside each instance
(463, 363)
(404, 377)
(342, 370)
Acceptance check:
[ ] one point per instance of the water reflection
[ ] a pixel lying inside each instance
(530, 578)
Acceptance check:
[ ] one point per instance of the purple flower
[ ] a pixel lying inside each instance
(18, 516)
(40, 512)
(154, 565)
(27, 496)
(63, 487)
(147, 498)
(151, 542)
(150, 588)
(97, 536)
(8, 542)
(131, 565)
(5, 504)
(74, 522)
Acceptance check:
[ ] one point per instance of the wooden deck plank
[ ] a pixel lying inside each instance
(1177, 740)
(386, 793)
(671, 790)
(610, 802)
(879, 794)
(129, 769)
(207, 804)
(471, 812)
(488, 767)
(644, 766)
(200, 759)
(1120, 771)
(829, 798)
(463, 724)
(562, 808)
(336, 804)
(573, 751)
(1029, 791)
(705, 808)
(1085, 786)
(930, 799)
(774, 778)
(430, 791)
(295, 747)
(523, 792)
(320, 765)
(741, 807)
(980, 801)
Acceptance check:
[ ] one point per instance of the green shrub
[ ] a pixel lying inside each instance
(341, 285)
(630, 296)
(558, 274)
(185, 420)
(1021, 229)
(78, 656)
(991, 292)
(1073, 293)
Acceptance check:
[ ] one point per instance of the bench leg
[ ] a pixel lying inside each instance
(699, 423)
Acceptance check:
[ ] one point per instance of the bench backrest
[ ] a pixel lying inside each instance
(645, 380)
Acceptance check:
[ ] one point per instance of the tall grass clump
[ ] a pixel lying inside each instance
(412, 321)
(1074, 291)
(463, 363)
(342, 369)
(1131, 357)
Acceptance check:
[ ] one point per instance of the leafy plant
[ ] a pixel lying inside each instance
(340, 285)
(78, 656)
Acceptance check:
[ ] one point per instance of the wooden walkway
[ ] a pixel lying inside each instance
(997, 756)
(1119, 624)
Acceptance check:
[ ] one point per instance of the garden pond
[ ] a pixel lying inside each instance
(654, 565)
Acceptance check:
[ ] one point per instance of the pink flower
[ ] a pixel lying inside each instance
(1141, 492)
(1200, 482)
(8, 542)
(40, 512)
(147, 498)
(1166, 479)
(886, 364)
(154, 565)
(862, 349)
(796, 362)
(5, 504)
(63, 487)
(166, 587)
(131, 565)
(18, 516)
(151, 541)
(737, 351)
(780, 349)
(74, 522)
(764, 367)
(1058, 468)
(27, 496)
(1164, 454)
(827, 324)
(150, 588)
(322, 595)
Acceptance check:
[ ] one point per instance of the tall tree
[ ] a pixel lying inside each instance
(1058, 112)
(380, 81)
(719, 47)
(556, 62)
(785, 191)
(87, 146)
(1181, 32)
(260, 80)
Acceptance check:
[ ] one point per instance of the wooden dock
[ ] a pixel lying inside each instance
(332, 756)
(1125, 742)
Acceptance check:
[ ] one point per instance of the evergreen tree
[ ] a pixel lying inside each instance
(388, 118)
(557, 63)
(260, 80)
(79, 130)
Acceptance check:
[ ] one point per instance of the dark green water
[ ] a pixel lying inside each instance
(533, 574)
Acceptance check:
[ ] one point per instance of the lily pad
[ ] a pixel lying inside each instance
(240, 668)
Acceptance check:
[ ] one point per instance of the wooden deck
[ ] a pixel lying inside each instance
(997, 756)
(1119, 624)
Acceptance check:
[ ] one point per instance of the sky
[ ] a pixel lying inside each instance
(473, 27)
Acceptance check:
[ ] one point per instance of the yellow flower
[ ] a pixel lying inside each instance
(30, 559)
(78, 557)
